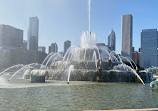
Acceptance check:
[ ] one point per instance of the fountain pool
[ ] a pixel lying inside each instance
(58, 95)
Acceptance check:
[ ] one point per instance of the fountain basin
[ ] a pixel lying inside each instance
(146, 76)
(39, 75)
(106, 76)
(36, 75)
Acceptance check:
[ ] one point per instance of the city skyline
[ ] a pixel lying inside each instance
(76, 21)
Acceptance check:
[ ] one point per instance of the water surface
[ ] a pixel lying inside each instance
(76, 96)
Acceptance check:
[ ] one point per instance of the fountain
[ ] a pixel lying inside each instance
(85, 63)
(71, 67)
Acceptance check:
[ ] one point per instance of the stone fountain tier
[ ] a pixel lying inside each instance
(37, 79)
(107, 76)
(36, 75)
(146, 76)
(90, 65)
(90, 75)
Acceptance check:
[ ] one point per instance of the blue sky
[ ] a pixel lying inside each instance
(62, 20)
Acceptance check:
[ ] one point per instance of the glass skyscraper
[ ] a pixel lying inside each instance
(149, 48)
(111, 40)
(67, 45)
(33, 34)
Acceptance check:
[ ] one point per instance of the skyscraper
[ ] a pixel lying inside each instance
(149, 48)
(67, 45)
(53, 48)
(11, 37)
(126, 35)
(33, 34)
(111, 40)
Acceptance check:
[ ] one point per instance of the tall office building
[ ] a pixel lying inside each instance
(149, 48)
(33, 34)
(11, 37)
(126, 35)
(111, 40)
(53, 48)
(67, 45)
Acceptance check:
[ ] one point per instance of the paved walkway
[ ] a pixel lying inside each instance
(148, 109)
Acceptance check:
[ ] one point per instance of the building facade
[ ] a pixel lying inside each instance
(149, 48)
(136, 57)
(33, 34)
(101, 46)
(11, 37)
(67, 45)
(42, 49)
(111, 40)
(53, 48)
(25, 44)
(126, 35)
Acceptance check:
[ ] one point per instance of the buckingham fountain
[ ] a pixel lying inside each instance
(86, 62)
